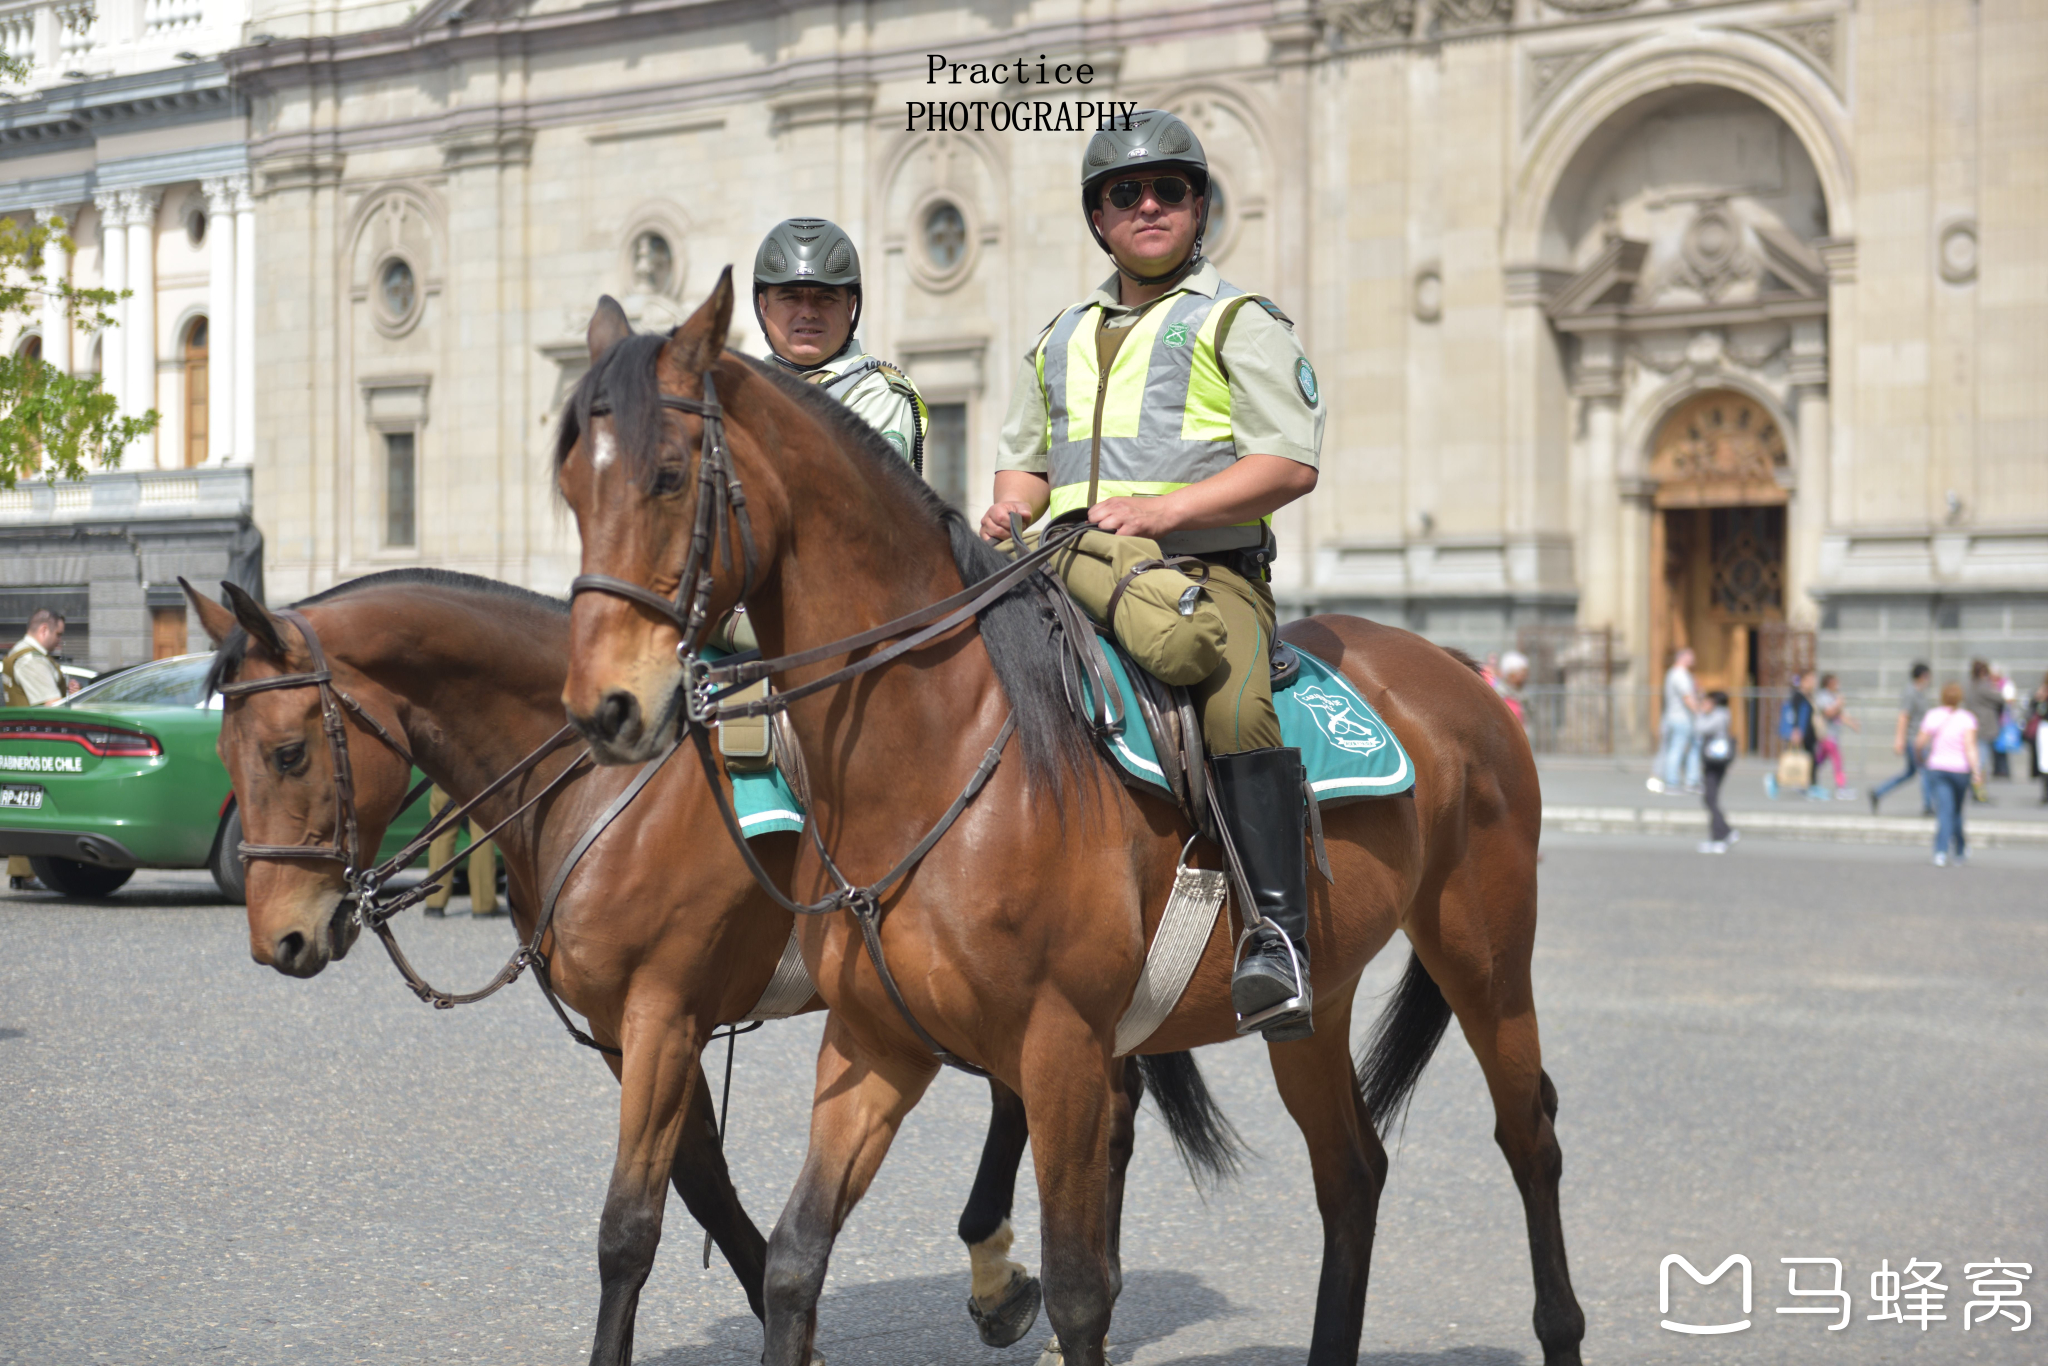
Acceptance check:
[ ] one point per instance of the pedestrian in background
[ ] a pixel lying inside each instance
(31, 675)
(1831, 713)
(1948, 747)
(1509, 680)
(1678, 755)
(483, 865)
(2037, 733)
(1985, 701)
(1914, 704)
(1717, 751)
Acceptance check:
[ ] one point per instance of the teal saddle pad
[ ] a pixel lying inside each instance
(762, 800)
(1348, 750)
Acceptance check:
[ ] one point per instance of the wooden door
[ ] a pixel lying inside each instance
(166, 632)
(195, 396)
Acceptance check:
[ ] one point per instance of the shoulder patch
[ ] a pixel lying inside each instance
(1273, 309)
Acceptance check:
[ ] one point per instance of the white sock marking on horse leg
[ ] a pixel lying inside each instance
(993, 1269)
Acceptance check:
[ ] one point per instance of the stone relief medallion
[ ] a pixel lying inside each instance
(1958, 251)
(1370, 21)
(1714, 252)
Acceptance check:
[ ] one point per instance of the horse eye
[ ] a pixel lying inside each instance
(669, 479)
(289, 758)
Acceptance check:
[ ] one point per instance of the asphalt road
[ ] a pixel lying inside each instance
(1794, 1051)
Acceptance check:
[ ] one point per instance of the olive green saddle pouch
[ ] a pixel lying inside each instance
(1157, 607)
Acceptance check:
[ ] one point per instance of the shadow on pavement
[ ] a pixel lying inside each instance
(924, 1318)
(1292, 1356)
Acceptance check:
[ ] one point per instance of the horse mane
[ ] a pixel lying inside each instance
(1015, 630)
(235, 649)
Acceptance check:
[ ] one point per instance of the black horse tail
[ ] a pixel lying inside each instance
(1403, 1039)
(1208, 1142)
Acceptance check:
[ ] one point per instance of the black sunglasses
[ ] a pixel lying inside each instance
(1170, 189)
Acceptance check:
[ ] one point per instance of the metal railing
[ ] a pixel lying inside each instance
(1617, 721)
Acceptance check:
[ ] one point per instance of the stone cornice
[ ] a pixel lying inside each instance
(70, 115)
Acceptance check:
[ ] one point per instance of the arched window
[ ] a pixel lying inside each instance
(195, 393)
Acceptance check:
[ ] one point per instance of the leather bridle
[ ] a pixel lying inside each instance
(371, 909)
(708, 686)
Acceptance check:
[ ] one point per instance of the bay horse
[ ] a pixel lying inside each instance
(660, 935)
(1017, 941)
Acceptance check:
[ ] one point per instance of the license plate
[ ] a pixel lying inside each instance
(20, 797)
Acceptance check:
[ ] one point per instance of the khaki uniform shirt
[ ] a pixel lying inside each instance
(887, 402)
(1269, 412)
(35, 673)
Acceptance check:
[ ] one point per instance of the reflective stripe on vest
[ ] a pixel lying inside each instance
(1165, 409)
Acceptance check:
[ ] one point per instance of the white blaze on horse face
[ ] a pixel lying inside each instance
(604, 449)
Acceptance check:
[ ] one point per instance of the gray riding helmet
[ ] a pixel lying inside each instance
(807, 251)
(1149, 141)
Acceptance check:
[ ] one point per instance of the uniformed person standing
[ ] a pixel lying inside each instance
(807, 297)
(1173, 406)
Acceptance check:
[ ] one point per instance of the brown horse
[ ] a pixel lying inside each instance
(660, 933)
(1017, 941)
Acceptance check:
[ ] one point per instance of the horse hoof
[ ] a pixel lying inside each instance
(1012, 1318)
(1052, 1355)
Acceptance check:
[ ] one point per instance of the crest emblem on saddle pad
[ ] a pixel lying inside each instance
(1305, 378)
(1340, 725)
(1176, 334)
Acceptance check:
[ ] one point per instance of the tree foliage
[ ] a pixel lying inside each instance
(52, 423)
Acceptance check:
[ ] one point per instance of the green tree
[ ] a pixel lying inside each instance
(51, 423)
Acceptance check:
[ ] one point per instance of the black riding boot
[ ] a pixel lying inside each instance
(1259, 792)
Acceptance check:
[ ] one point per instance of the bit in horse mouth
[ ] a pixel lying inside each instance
(342, 929)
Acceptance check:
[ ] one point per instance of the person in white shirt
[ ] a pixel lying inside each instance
(1678, 753)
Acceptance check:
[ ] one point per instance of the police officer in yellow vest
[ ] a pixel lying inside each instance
(807, 297)
(1173, 406)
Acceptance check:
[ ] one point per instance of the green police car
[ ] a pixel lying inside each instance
(123, 775)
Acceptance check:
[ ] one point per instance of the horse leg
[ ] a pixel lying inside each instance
(1073, 1123)
(1483, 972)
(657, 1069)
(861, 1101)
(1349, 1166)
(700, 1176)
(1123, 1141)
(1005, 1297)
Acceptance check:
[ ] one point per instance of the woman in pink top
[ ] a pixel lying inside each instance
(1948, 750)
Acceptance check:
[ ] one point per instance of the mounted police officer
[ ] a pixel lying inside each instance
(807, 298)
(1173, 406)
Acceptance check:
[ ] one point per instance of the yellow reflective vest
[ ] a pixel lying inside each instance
(1159, 421)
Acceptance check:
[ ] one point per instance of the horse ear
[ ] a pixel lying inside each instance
(217, 620)
(695, 346)
(255, 619)
(608, 327)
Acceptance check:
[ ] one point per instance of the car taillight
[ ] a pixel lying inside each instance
(103, 741)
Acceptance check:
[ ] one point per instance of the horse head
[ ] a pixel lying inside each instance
(627, 463)
(283, 769)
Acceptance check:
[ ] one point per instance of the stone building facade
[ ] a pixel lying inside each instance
(127, 130)
(1717, 323)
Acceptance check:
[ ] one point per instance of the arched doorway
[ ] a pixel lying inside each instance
(1717, 539)
(195, 393)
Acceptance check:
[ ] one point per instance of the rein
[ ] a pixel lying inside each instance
(708, 685)
(374, 911)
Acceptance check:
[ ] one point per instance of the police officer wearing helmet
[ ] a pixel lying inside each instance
(807, 298)
(1174, 406)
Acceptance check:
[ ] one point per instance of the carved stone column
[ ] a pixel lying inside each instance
(245, 319)
(225, 339)
(113, 209)
(56, 269)
(141, 321)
